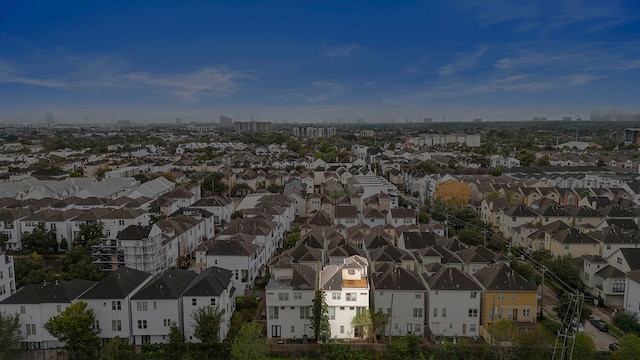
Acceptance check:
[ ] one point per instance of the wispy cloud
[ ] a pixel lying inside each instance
(319, 91)
(339, 50)
(82, 73)
(463, 61)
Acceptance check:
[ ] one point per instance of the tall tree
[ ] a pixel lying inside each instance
(532, 344)
(31, 269)
(213, 182)
(583, 348)
(362, 325)
(10, 334)
(249, 344)
(40, 240)
(320, 317)
(503, 333)
(379, 321)
(206, 321)
(74, 327)
(3, 241)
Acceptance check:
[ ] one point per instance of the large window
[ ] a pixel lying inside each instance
(332, 313)
(305, 313)
(473, 313)
(283, 296)
(273, 312)
(352, 296)
(417, 312)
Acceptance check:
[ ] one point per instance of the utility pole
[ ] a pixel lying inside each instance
(544, 269)
(446, 224)
(485, 237)
(493, 316)
(391, 317)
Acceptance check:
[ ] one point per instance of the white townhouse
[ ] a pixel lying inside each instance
(58, 221)
(220, 206)
(632, 292)
(10, 226)
(267, 235)
(237, 254)
(159, 304)
(37, 303)
(289, 301)
(7, 276)
(453, 304)
(119, 219)
(400, 293)
(109, 300)
(212, 287)
(346, 290)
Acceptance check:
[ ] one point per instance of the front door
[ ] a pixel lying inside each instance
(515, 314)
(275, 331)
(464, 329)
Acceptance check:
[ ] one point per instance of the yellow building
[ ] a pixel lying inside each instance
(453, 192)
(507, 295)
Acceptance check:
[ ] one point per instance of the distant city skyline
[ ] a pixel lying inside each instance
(315, 61)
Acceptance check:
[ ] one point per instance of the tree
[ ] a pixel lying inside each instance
(213, 182)
(30, 269)
(90, 233)
(74, 327)
(117, 349)
(40, 240)
(543, 161)
(249, 344)
(362, 325)
(504, 333)
(206, 321)
(4, 238)
(583, 348)
(565, 301)
(526, 158)
(627, 322)
(630, 348)
(379, 321)
(320, 317)
(10, 334)
(292, 238)
(565, 268)
(532, 344)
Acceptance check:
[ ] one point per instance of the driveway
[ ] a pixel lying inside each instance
(600, 339)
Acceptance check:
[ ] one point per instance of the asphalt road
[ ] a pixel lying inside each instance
(600, 339)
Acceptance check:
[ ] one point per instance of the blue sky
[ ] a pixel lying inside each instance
(308, 60)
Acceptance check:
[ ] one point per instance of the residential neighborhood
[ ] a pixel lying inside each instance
(414, 231)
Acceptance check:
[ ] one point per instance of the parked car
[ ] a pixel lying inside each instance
(614, 346)
(600, 325)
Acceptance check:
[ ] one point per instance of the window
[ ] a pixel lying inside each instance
(335, 296)
(418, 295)
(121, 222)
(513, 296)
(566, 246)
(305, 313)
(194, 301)
(96, 325)
(619, 260)
(474, 294)
(213, 301)
(293, 329)
(608, 246)
(141, 305)
(417, 312)
(352, 296)
(116, 305)
(273, 312)
(283, 296)
(31, 329)
(618, 287)
(155, 305)
(116, 325)
(166, 322)
(142, 324)
(59, 308)
(500, 296)
(526, 312)
(444, 312)
(297, 296)
(23, 309)
(341, 329)
(473, 313)
(435, 312)
(472, 327)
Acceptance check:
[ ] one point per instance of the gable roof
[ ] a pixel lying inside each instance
(56, 292)
(212, 281)
(397, 278)
(451, 279)
(117, 285)
(502, 277)
(167, 285)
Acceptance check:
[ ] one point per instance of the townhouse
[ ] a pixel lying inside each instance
(7, 276)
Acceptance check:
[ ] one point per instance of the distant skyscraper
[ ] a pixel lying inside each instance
(49, 119)
(226, 122)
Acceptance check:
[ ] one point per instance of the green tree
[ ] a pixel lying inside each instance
(4, 238)
(504, 333)
(74, 327)
(583, 348)
(40, 240)
(206, 321)
(379, 321)
(320, 317)
(526, 158)
(362, 325)
(90, 233)
(543, 161)
(565, 268)
(627, 322)
(10, 334)
(213, 181)
(565, 306)
(117, 349)
(532, 344)
(249, 343)
(630, 348)
(31, 269)
(292, 238)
